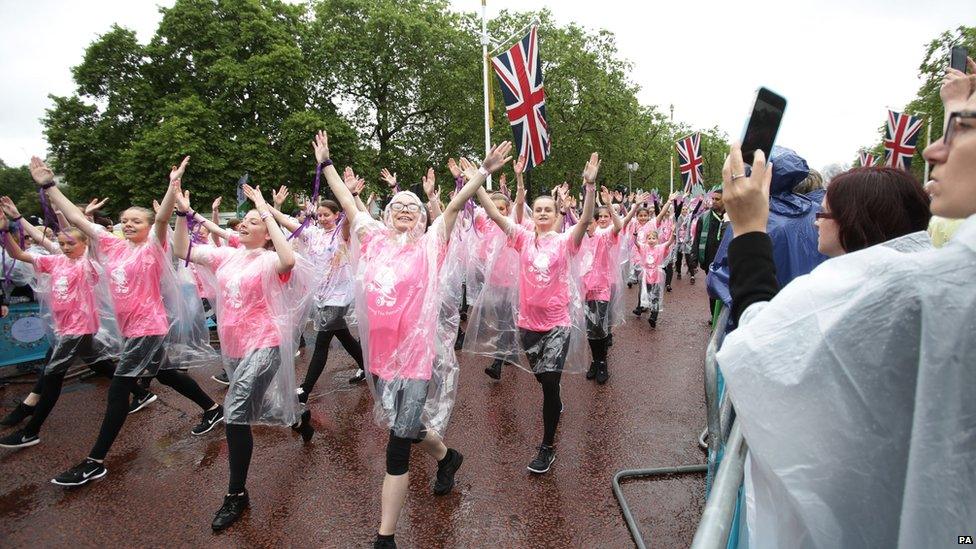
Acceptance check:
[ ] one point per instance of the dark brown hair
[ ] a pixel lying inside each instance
(873, 205)
(331, 206)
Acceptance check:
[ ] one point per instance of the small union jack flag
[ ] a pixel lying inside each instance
(519, 73)
(901, 134)
(689, 149)
(867, 159)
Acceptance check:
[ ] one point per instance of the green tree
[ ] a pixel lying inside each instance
(18, 185)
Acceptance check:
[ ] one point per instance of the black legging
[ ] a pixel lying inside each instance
(599, 348)
(240, 446)
(551, 405)
(668, 274)
(118, 404)
(321, 354)
(689, 259)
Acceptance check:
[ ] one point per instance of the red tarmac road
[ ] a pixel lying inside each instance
(164, 485)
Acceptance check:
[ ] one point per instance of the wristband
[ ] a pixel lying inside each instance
(355, 194)
(48, 185)
(483, 171)
(180, 214)
(16, 219)
(326, 162)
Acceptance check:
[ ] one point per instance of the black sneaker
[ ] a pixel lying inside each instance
(459, 342)
(232, 509)
(668, 287)
(358, 377)
(210, 420)
(140, 403)
(495, 370)
(630, 285)
(543, 461)
(18, 414)
(304, 426)
(18, 439)
(652, 322)
(602, 375)
(679, 275)
(384, 544)
(221, 378)
(445, 473)
(638, 311)
(591, 373)
(83, 473)
(302, 396)
(692, 279)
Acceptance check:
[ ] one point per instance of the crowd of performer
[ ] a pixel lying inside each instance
(534, 284)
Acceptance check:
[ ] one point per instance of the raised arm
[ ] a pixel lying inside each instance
(10, 210)
(491, 210)
(495, 159)
(664, 209)
(519, 205)
(169, 200)
(342, 193)
(286, 254)
(44, 178)
(181, 236)
(618, 224)
(215, 219)
(589, 183)
(430, 189)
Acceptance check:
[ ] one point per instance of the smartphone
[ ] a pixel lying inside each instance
(957, 59)
(760, 133)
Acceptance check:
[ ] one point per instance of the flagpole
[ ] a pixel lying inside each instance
(484, 62)
(671, 148)
(928, 141)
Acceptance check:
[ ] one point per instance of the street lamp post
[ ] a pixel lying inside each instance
(631, 168)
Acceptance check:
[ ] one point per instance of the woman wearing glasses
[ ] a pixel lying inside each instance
(408, 286)
(853, 385)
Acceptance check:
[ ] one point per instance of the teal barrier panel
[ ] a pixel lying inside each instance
(22, 335)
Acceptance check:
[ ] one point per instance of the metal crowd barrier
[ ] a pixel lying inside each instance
(712, 438)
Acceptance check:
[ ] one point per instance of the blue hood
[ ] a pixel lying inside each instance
(789, 169)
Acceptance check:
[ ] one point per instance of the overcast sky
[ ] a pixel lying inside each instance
(839, 63)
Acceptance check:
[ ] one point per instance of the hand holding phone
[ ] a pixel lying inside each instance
(763, 125)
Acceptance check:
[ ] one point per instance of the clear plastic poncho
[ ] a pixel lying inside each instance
(491, 329)
(158, 311)
(854, 390)
(260, 314)
(74, 300)
(408, 293)
(602, 279)
(328, 252)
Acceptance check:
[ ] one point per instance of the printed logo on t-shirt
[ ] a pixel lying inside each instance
(60, 288)
(120, 280)
(588, 260)
(539, 269)
(232, 291)
(383, 287)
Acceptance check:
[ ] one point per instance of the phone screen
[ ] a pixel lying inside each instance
(957, 59)
(767, 113)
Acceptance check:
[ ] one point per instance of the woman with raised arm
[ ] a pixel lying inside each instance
(326, 245)
(140, 277)
(261, 302)
(599, 265)
(404, 284)
(551, 322)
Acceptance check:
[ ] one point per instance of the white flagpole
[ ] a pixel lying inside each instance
(671, 156)
(484, 62)
(928, 141)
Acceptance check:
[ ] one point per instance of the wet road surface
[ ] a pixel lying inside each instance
(164, 485)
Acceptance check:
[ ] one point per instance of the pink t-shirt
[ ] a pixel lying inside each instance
(397, 282)
(244, 316)
(543, 277)
(72, 293)
(234, 241)
(504, 267)
(641, 236)
(134, 273)
(654, 256)
(597, 254)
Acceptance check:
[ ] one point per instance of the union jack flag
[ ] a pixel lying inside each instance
(519, 73)
(689, 149)
(901, 134)
(867, 159)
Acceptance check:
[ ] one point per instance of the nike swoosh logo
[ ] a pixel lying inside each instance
(88, 474)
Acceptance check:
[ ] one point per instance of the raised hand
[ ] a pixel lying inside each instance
(3, 227)
(605, 195)
(430, 183)
(321, 146)
(390, 178)
(350, 179)
(468, 169)
(254, 195)
(453, 166)
(94, 206)
(503, 184)
(519, 164)
(176, 172)
(216, 204)
(591, 169)
(40, 172)
(156, 206)
(641, 198)
(9, 208)
(497, 157)
(746, 198)
(183, 201)
(957, 87)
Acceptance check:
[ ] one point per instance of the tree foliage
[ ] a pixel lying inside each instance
(241, 85)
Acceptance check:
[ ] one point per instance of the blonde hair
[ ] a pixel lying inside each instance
(150, 215)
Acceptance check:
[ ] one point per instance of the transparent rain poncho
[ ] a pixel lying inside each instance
(259, 317)
(549, 333)
(328, 252)
(158, 311)
(491, 329)
(854, 390)
(74, 300)
(408, 291)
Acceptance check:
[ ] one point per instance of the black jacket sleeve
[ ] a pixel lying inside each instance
(752, 273)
